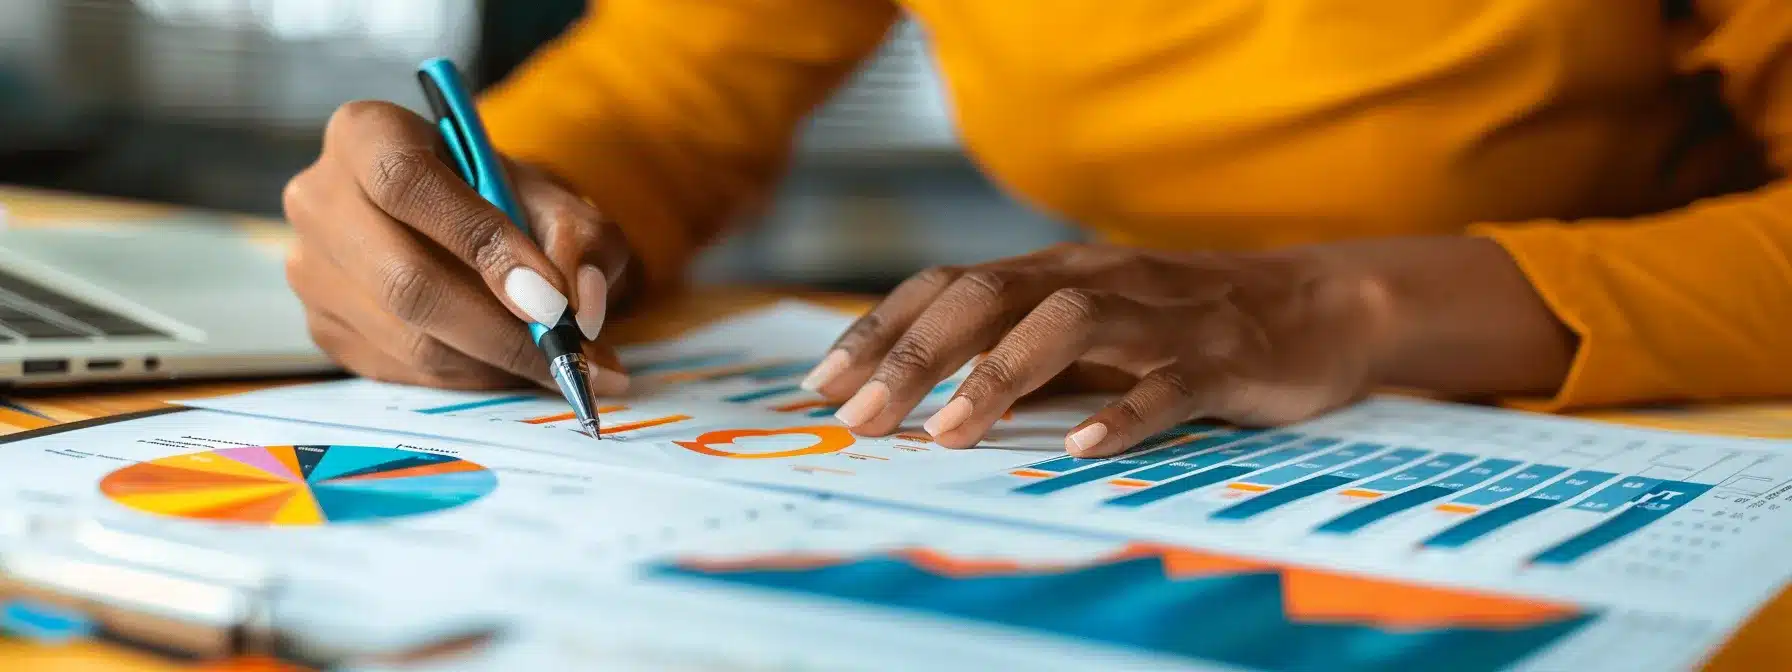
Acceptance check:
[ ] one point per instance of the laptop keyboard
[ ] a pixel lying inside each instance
(32, 312)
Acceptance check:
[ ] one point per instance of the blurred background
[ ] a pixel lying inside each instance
(215, 103)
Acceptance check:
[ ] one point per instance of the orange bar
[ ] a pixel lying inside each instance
(801, 406)
(1031, 473)
(1129, 483)
(1456, 508)
(644, 424)
(1365, 494)
(917, 438)
(1248, 487)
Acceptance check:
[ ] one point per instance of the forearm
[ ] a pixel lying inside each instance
(1454, 315)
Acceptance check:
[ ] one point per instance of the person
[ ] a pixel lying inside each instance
(1549, 203)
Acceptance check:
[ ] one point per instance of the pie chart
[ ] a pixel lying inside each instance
(299, 485)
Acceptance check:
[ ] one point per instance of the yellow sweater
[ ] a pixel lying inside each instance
(1619, 150)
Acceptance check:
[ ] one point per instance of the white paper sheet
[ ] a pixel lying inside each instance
(1629, 520)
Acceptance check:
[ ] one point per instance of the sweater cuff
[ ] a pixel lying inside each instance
(1609, 366)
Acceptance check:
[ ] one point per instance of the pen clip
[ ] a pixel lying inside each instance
(457, 119)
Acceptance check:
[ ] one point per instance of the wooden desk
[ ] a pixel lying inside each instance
(1765, 644)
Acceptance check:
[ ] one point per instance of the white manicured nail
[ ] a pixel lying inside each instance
(532, 293)
(594, 295)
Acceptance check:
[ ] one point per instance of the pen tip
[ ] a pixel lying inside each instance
(594, 429)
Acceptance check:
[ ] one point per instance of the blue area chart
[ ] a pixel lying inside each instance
(1186, 604)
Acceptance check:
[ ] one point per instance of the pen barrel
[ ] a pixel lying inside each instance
(560, 340)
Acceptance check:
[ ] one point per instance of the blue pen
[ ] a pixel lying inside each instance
(478, 164)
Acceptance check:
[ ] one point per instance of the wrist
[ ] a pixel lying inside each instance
(1452, 314)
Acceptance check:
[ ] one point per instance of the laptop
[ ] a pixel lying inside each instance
(157, 300)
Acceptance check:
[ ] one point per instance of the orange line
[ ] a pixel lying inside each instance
(1248, 487)
(863, 456)
(632, 426)
(1456, 508)
(1365, 494)
(912, 449)
(1031, 473)
(800, 406)
(1129, 482)
(917, 438)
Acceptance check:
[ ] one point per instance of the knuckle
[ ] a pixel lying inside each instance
(997, 372)
(395, 178)
(938, 276)
(1078, 305)
(488, 244)
(407, 292)
(1174, 384)
(864, 329)
(985, 286)
(293, 196)
(1132, 410)
(362, 112)
(907, 357)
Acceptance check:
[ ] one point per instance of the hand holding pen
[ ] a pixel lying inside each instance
(408, 274)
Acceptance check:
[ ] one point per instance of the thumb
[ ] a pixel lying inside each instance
(586, 247)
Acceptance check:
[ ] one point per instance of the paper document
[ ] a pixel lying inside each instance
(1618, 520)
(373, 532)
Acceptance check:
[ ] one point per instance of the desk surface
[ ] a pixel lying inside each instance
(1766, 643)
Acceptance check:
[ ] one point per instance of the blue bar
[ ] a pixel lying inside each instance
(1380, 465)
(1487, 522)
(1063, 464)
(1477, 474)
(1615, 495)
(500, 401)
(682, 363)
(1286, 453)
(1319, 463)
(1571, 487)
(1201, 454)
(1284, 495)
(1178, 486)
(1107, 468)
(1419, 473)
(824, 411)
(1663, 498)
(1367, 515)
(756, 395)
(1525, 479)
(773, 372)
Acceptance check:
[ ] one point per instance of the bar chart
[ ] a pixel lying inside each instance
(1542, 507)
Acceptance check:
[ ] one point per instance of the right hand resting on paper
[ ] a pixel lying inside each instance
(408, 276)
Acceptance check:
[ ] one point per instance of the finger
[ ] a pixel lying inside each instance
(586, 248)
(971, 315)
(402, 174)
(429, 360)
(1163, 398)
(849, 362)
(1062, 329)
(355, 352)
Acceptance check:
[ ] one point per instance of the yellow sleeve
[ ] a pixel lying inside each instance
(676, 116)
(1694, 304)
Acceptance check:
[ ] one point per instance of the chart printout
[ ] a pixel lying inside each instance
(1473, 498)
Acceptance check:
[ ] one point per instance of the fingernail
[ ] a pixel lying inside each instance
(605, 381)
(594, 297)
(1086, 438)
(532, 293)
(948, 418)
(862, 407)
(829, 368)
